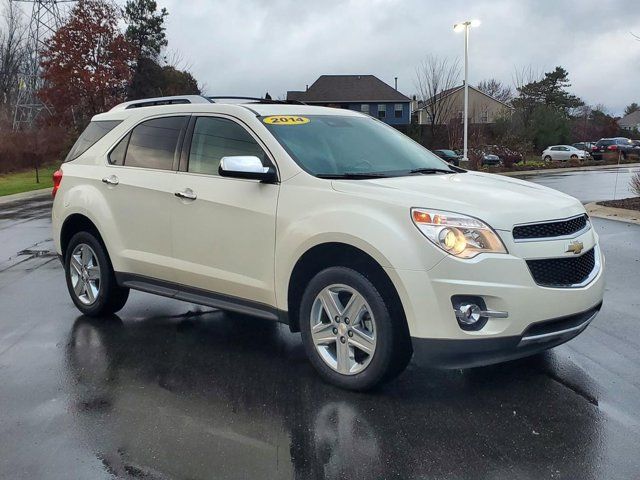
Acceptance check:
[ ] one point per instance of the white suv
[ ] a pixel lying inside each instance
(329, 221)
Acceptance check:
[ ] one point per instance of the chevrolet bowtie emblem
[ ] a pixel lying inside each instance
(575, 248)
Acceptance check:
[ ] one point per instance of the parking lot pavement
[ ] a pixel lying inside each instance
(590, 185)
(173, 390)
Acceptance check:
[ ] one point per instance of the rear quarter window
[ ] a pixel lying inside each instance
(92, 134)
(151, 144)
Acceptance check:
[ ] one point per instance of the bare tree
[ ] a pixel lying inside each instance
(13, 53)
(496, 89)
(175, 58)
(524, 75)
(434, 77)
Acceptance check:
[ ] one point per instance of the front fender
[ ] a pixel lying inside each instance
(383, 231)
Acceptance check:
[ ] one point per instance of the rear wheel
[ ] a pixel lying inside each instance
(348, 332)
(90, 278)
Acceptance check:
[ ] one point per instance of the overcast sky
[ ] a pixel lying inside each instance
(249, 47)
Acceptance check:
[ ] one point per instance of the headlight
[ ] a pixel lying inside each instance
(457, 234)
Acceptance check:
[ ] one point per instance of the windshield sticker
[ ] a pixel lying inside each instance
(285, 120)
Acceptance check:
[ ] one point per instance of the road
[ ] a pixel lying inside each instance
(172, 390)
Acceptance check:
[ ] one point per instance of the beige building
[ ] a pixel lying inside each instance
(449, 106)
(631, 121)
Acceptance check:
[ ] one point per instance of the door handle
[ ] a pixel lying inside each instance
(186, 194)
(111, 180)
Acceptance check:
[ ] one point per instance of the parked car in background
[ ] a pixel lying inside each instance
(562, 153)
(586, 146)
(620, 145)
(507, 156)
(448, 156)
(490, 159)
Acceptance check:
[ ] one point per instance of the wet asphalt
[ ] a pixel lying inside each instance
(168, 389)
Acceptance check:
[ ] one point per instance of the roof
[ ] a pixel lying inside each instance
(348, 88)
(161, 106)
(451, 91)
(632, 119)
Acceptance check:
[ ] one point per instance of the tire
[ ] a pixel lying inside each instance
(93, 290)
(333, 342)
(547, 158)
(574, 157)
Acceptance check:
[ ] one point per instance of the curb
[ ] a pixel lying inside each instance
(25, 195)
(611, 213)
(525, 173)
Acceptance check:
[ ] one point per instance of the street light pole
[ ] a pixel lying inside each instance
(457, 28)
(466, 91)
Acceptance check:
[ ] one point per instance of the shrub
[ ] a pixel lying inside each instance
(25, 149)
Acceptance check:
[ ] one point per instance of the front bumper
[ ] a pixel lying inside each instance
(445, 353)
(505, 284)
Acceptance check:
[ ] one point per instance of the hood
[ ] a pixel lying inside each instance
(500, 201)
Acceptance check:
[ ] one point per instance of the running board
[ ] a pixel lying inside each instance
(200, 297)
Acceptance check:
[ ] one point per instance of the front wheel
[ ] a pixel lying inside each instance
(90, 278)
(348, 332)
(547, 158)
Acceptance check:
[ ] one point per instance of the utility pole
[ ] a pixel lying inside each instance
(45, 21)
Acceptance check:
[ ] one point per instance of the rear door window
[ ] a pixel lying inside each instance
(151, 144)
(94, 132)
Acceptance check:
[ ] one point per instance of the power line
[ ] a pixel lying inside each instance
(45, 21)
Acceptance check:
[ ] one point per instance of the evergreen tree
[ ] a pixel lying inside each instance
(145, 27)
(634, 107)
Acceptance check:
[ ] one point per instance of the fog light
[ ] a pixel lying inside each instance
(472, 313)
(469, 313)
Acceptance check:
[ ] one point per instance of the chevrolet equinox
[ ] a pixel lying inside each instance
(327, 220)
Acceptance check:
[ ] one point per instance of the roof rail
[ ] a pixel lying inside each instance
(153, 102)
(255, 100)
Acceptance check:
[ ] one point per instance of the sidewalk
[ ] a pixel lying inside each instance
(25, 195)
(611, 213)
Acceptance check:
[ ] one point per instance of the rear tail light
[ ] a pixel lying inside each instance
(594, 148)
(57, 178)
(612, 147)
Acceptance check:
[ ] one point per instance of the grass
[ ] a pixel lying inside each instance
(25, 181)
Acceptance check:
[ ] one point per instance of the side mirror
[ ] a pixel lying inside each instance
(246, 167)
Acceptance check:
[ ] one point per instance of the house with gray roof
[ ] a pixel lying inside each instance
(364, 93)
(631, 121)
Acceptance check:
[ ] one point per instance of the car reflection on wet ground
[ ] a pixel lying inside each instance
(168, 389)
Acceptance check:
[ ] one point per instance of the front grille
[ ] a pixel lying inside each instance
(562, 272)
(558, 228)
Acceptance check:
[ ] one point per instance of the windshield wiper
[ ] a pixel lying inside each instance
(431, 170)
(351, 175)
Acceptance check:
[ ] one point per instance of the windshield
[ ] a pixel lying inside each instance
(335, 145)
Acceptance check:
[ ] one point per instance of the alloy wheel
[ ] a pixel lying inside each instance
(84, 271)
(343, 329)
